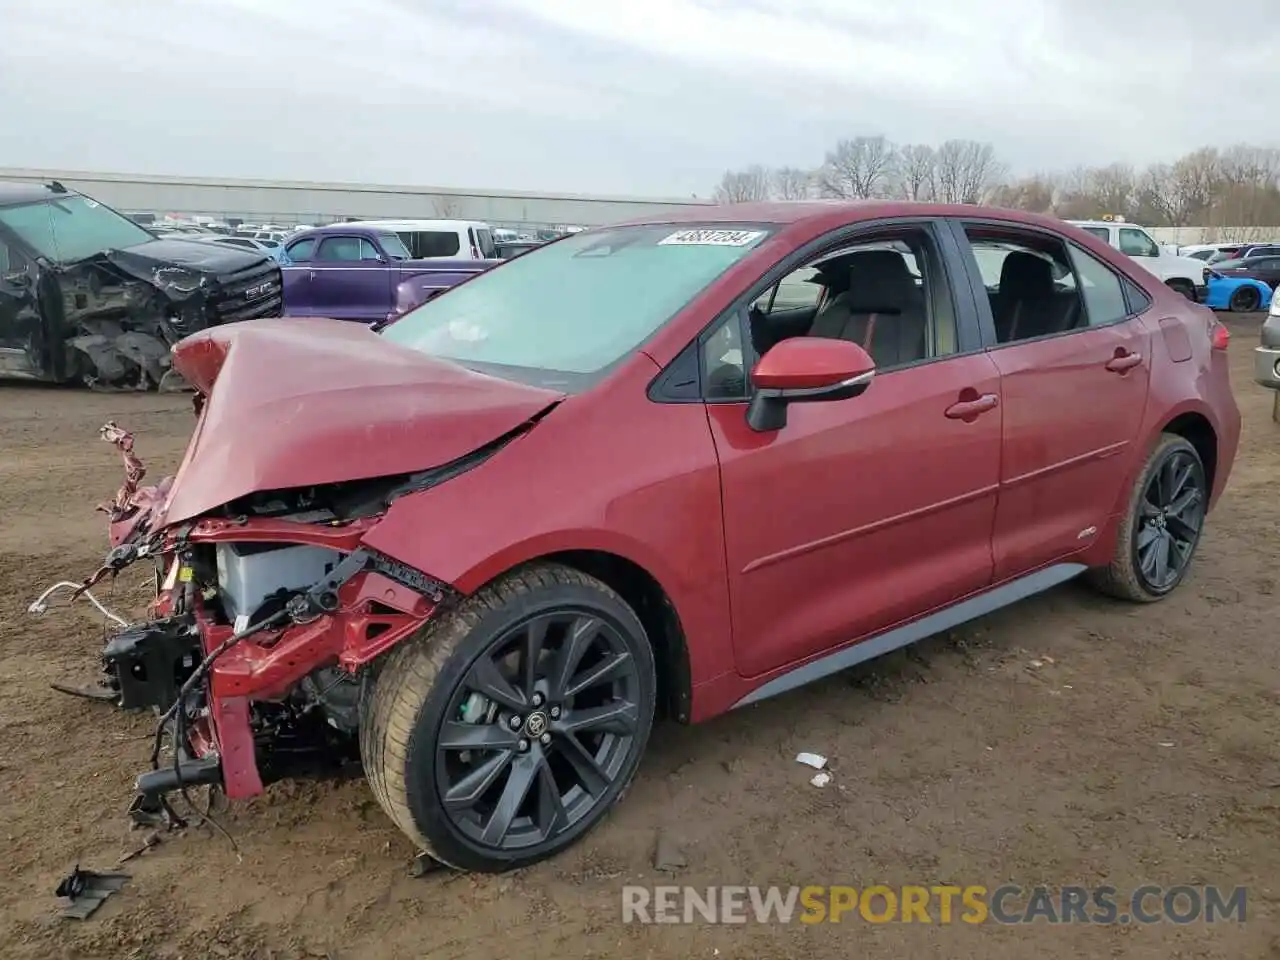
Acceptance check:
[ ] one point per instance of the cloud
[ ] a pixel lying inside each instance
(653, 98)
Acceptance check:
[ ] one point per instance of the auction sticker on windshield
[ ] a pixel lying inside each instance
(713, 238)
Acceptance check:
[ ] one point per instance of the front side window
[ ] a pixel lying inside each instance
(564, 313)
(72, 227)
(302, 250)
(1136, 243)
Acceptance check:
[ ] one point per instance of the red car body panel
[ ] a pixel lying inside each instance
(382, 410)
(774, 549)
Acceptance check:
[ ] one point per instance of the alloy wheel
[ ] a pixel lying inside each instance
(538, 731)
(1172, 511)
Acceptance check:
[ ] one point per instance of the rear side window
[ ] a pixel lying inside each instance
(431, 243)
(1102, 233)
(1103, 293)
(346, 249)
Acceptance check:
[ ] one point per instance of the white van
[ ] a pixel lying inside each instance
(440, 239)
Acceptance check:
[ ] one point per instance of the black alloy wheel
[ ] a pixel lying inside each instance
(1171, 516)
(510, 726)
(539, 731)
(1245, 300)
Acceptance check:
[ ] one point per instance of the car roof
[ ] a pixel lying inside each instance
(421, 224)
(13, 192)
(832, 213)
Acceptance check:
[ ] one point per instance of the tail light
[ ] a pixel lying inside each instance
(1219, 335)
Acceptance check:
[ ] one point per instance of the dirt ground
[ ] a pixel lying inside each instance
(1143, 749)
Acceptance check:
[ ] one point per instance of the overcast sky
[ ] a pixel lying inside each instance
(641, 97)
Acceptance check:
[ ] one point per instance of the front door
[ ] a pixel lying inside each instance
(23, 344)
(350, 280)
(1074, 358)
(861, 513)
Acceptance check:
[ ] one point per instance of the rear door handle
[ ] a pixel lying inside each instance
(969, 409)
(1126, 361)
(312, 275)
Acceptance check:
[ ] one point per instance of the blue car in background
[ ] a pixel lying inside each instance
(1237, 294)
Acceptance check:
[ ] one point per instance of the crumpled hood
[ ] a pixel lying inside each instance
(204, 257)
(300, 402)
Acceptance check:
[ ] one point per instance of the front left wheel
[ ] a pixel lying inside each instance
(508, 729)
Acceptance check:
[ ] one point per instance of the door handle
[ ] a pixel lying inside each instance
(969, 409)
(1124, 361)
(311, 274)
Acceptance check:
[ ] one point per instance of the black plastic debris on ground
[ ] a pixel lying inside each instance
(85, 890)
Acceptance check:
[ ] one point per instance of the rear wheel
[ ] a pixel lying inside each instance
(507, 730)
(1161, 528)
(1245, 300)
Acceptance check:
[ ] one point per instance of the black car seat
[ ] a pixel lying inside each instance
(1027, 304)
(882, 310)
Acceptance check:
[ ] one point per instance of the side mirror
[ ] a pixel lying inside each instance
(806, 370)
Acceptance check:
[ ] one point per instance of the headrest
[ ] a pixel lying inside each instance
(1026, 275)
(879, 282)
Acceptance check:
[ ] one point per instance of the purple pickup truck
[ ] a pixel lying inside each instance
(350, 272)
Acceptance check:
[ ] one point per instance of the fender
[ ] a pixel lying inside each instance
(613, 494)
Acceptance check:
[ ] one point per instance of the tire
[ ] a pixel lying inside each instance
(419, 709)
(1188, 290)
(1127, 577)
(1245, 300)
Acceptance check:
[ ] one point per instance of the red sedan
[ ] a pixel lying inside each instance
(664, 468)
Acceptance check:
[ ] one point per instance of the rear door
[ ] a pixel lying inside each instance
(350, 280)
(1074, 358)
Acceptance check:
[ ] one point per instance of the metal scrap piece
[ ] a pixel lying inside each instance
(86, 890)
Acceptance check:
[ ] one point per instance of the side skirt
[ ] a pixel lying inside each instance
(898, 637)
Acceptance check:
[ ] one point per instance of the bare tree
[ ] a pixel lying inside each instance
(447, 208)
(744, 186)
(1037, 194)
(857, 169)
(916, 163)
(965, 171)
(792, 183)
(1115, 188)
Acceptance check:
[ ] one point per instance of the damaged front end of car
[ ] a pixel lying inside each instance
(265, 619)
(271, 610)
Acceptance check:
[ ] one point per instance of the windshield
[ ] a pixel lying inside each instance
(570, 309)
(72, 227)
